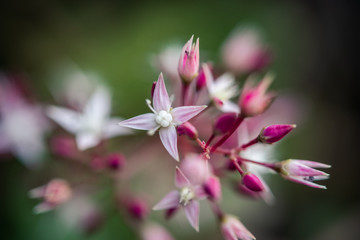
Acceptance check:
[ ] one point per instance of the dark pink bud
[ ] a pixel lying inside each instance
(275, 133)
(224, 122)
(212, 187)
(170, 212)
(115, 161)
(188, 129)
(138, 208)
(153, 89)
(201, 79)
(64, 146)
(252, 182)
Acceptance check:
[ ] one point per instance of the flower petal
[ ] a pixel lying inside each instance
(305, 182)
(313, 164)
(143, 122)
(298, 169)
(99, 104)
(161, 98)
(168, 137)
(66, 118)
(192, 211)
(112, 129)
(171, 200)
(85, 140)
(185, 113)
(180, 179)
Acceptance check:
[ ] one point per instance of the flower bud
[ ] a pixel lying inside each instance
(138, 208)
(189, 61)
(115, 161)
(233, 229)
(188, 129)
(252, 182)
(201, 78)
(64, 146)
(254, 100)
(224, 122)
(212, 188)
(274, 133)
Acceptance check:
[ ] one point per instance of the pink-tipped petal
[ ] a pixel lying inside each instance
(185, 113)
(296, 169)
(171, 200)
(180, 179)
(168, 137)
(161, 98)
(313, 164)
(192, 211)
(86, 140)
(66, 118)
(142, 122)
(301, 180)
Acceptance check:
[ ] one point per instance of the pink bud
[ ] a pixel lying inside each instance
(138, 208)
(201, 79)
(224, 122)
(212, 187)
(188, 129)
(64, 146)
(244, 190)
(252, 182)
(189, 61)
(254, 100)
(274, 133)
(233, 229)
(115, 161)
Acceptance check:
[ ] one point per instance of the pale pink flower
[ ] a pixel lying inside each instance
(254, 99)
(189, 61)
(233, 229)
(187, 197)
(244, 52)
(164, 117)
(22, 126)
(221, 90)
(155, 232)
(303, 172)
(56, 192)
(91, 125)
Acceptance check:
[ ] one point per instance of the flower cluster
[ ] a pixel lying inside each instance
(210, 126)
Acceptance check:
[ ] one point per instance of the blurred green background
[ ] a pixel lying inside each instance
(315, 58)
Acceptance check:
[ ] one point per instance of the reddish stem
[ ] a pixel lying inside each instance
(210, 140)
(268, 165)
(216, 209)
(185, 87)
(236, 124)
(246, 145)
(237, 166)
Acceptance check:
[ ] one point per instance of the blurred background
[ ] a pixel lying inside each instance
(314, 46)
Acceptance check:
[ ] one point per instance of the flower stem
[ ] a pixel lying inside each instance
(210, 140)
(246, 145)
(268, 165)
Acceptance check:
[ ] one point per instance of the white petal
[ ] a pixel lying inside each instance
(66, 118)
(185, 113)
(85, 140)
(161, 98)
(168, 137)
(112, 129)
(192, 211)
(171, 200)
(99, 104)
(143, 122)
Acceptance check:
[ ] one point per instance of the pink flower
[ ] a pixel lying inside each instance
(233, 229)
(303, 172)
(244, 52)
(56, 192)
(254, 100)
(187, 197)
(155, 232)
(93, 124)
(189, 61)
(164, 117)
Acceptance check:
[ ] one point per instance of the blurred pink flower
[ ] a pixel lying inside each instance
(233, 229)
(154, 231)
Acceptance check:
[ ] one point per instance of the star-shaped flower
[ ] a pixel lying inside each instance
(93, 124)
(187, 197)
(164, 117)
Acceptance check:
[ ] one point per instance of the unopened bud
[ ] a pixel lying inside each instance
(224, 122)
(274, 133)
(201, 79)
(188, 129)
(138, 208)
(212, 187)
(252, 182)
(189, 61)
(153, 89)
(115, 161)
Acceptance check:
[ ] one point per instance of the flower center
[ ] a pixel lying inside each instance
(163, 118)
(186, 195)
